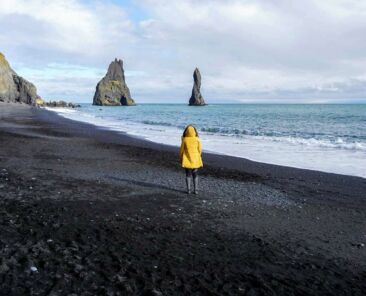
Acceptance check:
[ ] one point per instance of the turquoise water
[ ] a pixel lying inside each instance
(323, 137)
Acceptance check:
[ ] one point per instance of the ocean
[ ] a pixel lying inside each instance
(329, 138)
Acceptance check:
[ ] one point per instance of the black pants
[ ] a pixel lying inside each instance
(191, 172)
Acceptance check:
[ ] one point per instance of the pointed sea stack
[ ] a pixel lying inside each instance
(196, 98)
(13, 88)
(112, 90)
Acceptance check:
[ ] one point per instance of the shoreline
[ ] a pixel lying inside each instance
(98, 212)
(275, 151)
(352, 184)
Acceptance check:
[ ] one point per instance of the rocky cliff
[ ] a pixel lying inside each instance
(196, 97)
(14, 88)
(112, 90)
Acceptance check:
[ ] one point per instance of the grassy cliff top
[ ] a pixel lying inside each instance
(3, 61)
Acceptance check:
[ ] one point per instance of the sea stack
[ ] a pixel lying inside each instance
(196, 98)
(13, 88)
(112, 90)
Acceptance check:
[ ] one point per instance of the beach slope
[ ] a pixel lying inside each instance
(94, 212)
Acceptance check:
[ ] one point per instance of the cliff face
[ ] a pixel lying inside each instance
(112, 90)
(196, 97)
(14, 88)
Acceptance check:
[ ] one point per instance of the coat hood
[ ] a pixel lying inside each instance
(191, 132)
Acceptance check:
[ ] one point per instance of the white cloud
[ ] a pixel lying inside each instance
(245, 49)
(261, 46)
(64, 28)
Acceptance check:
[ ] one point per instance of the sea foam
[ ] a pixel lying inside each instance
(330, 153)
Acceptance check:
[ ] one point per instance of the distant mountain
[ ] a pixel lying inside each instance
(112, 90)
(14, 88)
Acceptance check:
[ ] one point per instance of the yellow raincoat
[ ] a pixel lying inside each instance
(191, 150)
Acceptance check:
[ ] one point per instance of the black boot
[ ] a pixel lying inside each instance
(195, 183)
(188, 182)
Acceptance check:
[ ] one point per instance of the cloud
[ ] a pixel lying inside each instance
(63, 29)
(246, 50)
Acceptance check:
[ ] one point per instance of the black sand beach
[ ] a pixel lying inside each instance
(84, 211)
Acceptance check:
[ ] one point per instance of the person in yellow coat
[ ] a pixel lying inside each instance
(190, 156)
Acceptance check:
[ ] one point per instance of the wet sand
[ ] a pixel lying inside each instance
(95, 212)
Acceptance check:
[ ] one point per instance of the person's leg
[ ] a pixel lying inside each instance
(188, 180)
(195, 180)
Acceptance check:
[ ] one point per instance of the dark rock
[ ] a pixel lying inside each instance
(13, 88)
(60, 103)
(3, 268)
(112, 90)
(152, 292)
(72, 105)
(196, 97)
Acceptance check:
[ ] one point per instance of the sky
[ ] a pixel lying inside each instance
(251, 51)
